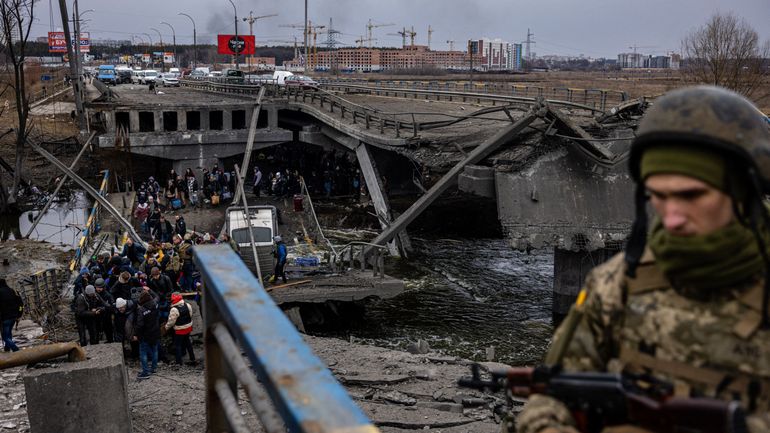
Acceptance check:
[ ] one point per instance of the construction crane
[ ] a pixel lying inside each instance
(636, 59)
(251, 19)
(430, 33)
(370, 26)
(451, 45)
(403, 34)
(311, 31)
(412, 34)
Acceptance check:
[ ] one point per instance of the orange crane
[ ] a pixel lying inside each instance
(369, 27)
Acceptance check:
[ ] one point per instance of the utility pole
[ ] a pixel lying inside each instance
(195, 42)
(173, 32)
(237, 42)
(304, 64)
(73, 65)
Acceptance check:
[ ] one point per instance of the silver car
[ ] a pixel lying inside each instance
(168, 79)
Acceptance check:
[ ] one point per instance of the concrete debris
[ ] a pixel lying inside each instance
(421, 347)
(395, 397)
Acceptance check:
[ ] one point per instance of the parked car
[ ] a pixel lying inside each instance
(198, 74)
(167, 79)
(124, 76)
(233, 76)
(137, 77)
(149, 75)
(301, 81)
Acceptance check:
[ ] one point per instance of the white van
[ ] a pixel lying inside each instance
(279, 77)
(149, 76)
(263, 226)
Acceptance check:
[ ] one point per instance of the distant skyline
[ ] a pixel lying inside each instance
(594, 28)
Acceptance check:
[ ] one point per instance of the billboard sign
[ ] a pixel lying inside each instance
(57, 43)
(228, 44)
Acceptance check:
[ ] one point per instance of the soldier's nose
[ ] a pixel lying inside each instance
(674, 222)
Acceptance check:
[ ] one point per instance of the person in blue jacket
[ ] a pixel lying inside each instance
(280, 255)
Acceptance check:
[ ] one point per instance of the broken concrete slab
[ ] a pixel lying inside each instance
(384, 415)
(73, 390)
(373, 379)
(444, 407)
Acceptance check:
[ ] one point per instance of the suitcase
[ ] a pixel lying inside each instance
(176, 204)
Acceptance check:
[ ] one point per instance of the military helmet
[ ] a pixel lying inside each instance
(710, 117)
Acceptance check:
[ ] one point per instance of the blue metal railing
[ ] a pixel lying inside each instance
(295, 388)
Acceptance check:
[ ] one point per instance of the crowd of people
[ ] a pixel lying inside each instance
(136, 295)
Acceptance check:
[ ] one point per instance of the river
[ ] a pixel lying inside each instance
(466, 295)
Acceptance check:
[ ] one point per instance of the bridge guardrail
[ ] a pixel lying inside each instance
(601, 99)
(378, 253)
(295, 388)
(372, 118)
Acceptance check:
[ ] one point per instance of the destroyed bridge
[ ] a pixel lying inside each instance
(553, 159)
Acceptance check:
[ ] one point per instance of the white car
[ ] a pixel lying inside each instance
(137, 77)
(167, 79)
(149, 75)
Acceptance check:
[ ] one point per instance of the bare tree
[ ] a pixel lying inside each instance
(726, 52)
(16, 18)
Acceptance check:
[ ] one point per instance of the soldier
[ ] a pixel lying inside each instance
(688, 300)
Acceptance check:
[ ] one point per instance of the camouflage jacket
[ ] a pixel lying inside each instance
(706, 344)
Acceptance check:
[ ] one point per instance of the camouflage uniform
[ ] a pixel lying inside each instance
(705, 342)
(695, 342)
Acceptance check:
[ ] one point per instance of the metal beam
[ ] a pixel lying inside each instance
(372, 178)
(249, 146)
(478, 154)
(596, 152)
(60, 185)
(247, 220)
(91, 191)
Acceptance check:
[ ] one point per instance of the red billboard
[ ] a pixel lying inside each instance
(57, 43)
(227, 44)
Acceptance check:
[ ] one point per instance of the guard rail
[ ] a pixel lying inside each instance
(376, 252)
(288, 387)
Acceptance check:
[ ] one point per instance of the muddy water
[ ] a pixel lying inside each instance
(464, 296)
(61, 225)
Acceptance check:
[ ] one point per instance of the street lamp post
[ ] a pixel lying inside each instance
(195, 43)
(173, 32)
(149, 38)
(237, 45)
(162, 51)
(251, 20)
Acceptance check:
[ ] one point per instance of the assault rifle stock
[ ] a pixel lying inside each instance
(599, 400)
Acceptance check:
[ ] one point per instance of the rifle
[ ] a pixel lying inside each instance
(599, 400)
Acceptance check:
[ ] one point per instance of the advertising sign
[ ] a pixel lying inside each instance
(227, 44)
(57, 43)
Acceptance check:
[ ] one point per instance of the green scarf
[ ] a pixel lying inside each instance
(724, 258)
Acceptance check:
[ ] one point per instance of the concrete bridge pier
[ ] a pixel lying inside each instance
(570, 269)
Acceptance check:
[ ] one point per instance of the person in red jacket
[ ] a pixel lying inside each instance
(180, 319)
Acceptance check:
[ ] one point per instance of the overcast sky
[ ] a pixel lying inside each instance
(595, 28)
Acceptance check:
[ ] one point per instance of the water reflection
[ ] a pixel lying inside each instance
(61, 225)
